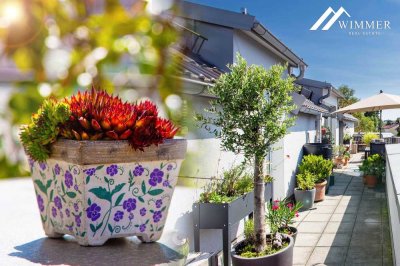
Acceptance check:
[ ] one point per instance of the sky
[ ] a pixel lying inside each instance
(367, 64)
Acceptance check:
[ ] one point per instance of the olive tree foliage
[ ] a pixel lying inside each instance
(251, 108)
(251, 113)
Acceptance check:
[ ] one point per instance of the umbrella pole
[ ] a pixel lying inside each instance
(380, 124)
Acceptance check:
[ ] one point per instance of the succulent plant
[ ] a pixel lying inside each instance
(95, 115)
(44, 129)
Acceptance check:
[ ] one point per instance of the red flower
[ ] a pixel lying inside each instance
(275, 207)
(290, 205)
(297, 214)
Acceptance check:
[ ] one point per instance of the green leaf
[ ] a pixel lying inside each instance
(101, 193)
(62, 187)
(155, 192)
(143, 187)
(63, 200)
(106, 179)
(120, 197)
(88, 179)
(89, 202)
(163, 208)
(160, 228)
(92, 228)
(110, 228)
(141, 199)
(117, 188)
(71, 194)
(51, 194)
(41, 186)
(99, 167)
(48, 184)
(99, 226)
(83, 234)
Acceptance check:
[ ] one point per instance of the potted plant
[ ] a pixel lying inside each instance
(250, 113)
(346, 157)
(369, 137)
(305, 190)
(224, 202)
(373, 169)
(321, 169)
(280, 215)
(339, 151)
(347, 139)
(102, 168)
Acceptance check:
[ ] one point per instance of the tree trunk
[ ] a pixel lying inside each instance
(259, 205)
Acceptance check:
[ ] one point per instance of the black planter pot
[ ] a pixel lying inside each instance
(306, 197)
(283, 257)
(332, 180)
(323, 149)
(223, 216)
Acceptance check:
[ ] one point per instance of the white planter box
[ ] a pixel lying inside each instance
(97, 190)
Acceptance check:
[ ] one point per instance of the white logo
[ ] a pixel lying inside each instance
(328, 12)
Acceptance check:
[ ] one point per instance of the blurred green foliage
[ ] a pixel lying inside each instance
(63, 46)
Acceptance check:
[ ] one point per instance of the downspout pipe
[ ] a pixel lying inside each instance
(325, 96)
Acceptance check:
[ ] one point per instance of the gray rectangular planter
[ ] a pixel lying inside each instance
(223, 216)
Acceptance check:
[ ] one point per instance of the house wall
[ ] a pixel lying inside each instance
(252, 51)
(332, 100)
(285, 160)
(350, 127)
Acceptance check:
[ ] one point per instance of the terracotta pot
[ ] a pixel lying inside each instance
(97, 190)
(371, 181)
(346, 161)
(284, 257)
(364, 179)
(320, 191)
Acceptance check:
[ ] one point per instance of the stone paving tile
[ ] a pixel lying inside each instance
(328, 202)
(328, 256)
(339, 227)
(369, 217)
(362, 255)
(312, 227)
(318, 217)
(321, 209)
(302, 215)
(334, 240)
(301, 255)
(307, 240)
(343, 217)
(346, 209)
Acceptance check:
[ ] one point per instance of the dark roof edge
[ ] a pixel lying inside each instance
(239, 21)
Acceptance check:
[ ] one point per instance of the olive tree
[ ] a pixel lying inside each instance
(250, 114)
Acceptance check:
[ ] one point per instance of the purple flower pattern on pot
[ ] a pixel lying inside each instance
(138, 171)
(169, 167)
(156, 177)
(129, 204)
(158, 203)
(131, 216)
(40, 203)
(142, 211)
(54, 212)
(119, 215)
(57, 202)
(93, 212)
(90, 171)
(57, 169)
(76, 187)
(157, 215)
(67, 212)
(142, 227)
(76, 207)
(165, 183)
(77, 220)
(112, 170)
(61, 215)
(68, 179)
(42, 166)
(31, 163)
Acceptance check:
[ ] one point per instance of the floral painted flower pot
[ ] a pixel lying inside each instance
(97, 190)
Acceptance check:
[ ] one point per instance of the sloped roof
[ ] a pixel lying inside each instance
(194, 68)
(311, 105)
(318, 84)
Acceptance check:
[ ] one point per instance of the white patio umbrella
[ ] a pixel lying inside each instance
(379, 102)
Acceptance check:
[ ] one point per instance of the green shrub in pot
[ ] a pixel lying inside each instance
(320, 168)
(305, 190)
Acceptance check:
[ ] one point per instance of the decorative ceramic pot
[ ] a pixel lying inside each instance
(320, 191)
(371, 181)
(283, 257)
(306, 197)
(97, 190)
